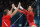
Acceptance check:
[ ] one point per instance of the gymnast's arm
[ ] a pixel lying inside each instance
(22, 12)
(16, 10)
(23, 9)
(12, 8)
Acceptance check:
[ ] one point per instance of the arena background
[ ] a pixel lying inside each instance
(22, 21)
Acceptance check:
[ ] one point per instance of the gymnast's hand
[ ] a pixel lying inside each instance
(19, 5)
(13, 6)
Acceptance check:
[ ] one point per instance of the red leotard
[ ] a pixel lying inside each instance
(30, 16)
(7, 20)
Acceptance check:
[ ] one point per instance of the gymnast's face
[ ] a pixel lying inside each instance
(30, 8)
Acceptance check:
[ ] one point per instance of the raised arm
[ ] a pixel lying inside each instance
(15, 10)
(12, 8)
(22, 12)
(23, 9)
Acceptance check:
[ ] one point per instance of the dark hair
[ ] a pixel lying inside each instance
(31, 6)
(5, 12)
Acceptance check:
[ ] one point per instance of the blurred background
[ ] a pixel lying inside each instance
(22, 22)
